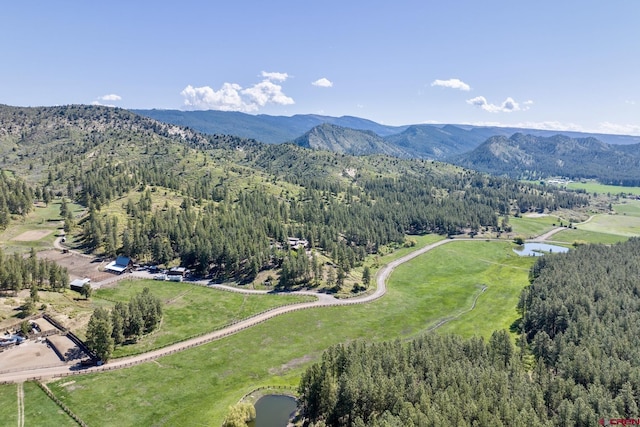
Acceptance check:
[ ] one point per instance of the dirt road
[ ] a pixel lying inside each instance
(324, 300)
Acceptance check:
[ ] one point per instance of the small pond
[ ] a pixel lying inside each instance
(274, 410)
(537, 249)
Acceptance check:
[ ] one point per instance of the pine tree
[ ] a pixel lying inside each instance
(99, 331)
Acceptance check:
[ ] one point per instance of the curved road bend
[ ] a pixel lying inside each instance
(324, 300)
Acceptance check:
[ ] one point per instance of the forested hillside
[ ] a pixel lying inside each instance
(532, 157)
(581, 322)
(349, 141)
(226, 206)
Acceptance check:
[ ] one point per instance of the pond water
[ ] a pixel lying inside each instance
(274, 410)
(537, 249)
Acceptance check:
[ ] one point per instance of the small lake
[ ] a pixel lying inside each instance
(537, 249)
(274, 410)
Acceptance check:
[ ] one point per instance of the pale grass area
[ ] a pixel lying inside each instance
(32, 235)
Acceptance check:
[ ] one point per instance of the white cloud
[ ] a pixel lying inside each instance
(267, 92)
(620, 129)
(232, 97)
(323, 82)
(110, 97)
(278, 77)
(509, 105)
(203, 98)
(452, 84)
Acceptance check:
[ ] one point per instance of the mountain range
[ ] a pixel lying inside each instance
(518, 153)
(280, 129)
(535, 157)
(514, 152)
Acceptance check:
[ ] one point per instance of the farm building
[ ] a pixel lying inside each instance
(120, 265)
(77, 284)
(176, 274)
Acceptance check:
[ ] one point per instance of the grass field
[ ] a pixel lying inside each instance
(529, 227)
(43, 223)
(196, 386)
(9, 404)
(579, 235)
(594, 187)
(40, 410)
(625, 222)
(191, 310)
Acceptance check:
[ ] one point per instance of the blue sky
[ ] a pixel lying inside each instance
(544, 64)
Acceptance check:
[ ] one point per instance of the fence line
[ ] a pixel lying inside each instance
(64, 407)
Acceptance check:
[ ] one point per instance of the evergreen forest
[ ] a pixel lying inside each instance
(575, 361)
(235, 202)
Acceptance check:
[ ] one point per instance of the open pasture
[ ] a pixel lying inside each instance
(190, 310)
(34, 407)
(625, 222)
(595, 187)
(534, 225)
(196, 386)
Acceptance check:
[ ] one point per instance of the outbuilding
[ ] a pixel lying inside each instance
(77, 284)
(120, 265)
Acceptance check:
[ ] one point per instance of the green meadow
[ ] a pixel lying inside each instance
(196, 386)
(624, 222)
(38, 229)
(532, 226)
(9, 404)
(190, 310)
(39, 409)
(595, 187)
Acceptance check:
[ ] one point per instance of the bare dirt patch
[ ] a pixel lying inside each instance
(66, 348)
(32, 235)
(31, 354)
(79, 266)
(535, 215)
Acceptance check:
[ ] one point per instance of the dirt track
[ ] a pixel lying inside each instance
(324, 300)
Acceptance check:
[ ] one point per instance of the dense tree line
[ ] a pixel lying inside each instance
(125, 322)
(16, 198)
(581, 323)
(431, 381)
(18, 272)
(582, 318)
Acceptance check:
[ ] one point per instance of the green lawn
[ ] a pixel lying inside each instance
(9, 404)
(191, 310)
(579, 235)
(625, 222)
(628, 207)
(606, 228)
(40, 410)
(530, 226)
(456, 286)
(594, 187)
(195, 387)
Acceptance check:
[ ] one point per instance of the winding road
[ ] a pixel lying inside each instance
(323, 300)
